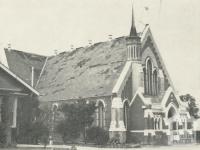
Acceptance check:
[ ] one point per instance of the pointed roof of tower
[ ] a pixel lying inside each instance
(133, 31)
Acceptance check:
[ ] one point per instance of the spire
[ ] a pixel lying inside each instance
(133, 31)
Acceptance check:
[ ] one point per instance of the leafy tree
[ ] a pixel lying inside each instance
(38, 132)
(97, 135)
(192, 107)
(77, 117)
(32, 128)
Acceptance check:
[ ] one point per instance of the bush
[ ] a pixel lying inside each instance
(133, 138)
(68, 131)
(77, 117)
(97, 135)
(115, 140)
(2, 135)
(161, 139)
(34, 133)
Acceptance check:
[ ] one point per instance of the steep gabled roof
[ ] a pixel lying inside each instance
(85, 72)
(18, 79)
(148, 34)
(21, 62)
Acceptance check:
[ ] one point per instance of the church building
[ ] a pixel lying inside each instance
(126, 78)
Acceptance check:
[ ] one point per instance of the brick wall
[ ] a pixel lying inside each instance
(136, 115)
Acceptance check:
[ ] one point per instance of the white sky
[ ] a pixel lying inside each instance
(41, 26)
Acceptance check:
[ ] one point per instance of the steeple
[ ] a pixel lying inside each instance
(133, 43)
(133, 31)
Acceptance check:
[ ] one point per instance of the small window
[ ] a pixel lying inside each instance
(135, 52)
(189, 125)
(132, 52)
(174, 125)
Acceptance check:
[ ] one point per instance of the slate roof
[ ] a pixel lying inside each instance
(85, 72)
(7, 83)
(21, 62)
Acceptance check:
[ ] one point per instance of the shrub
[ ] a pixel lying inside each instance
(97, 135)
(133, 138)
(115, 140)
(161, 139)
(68, 131)
(2, 135)
(77, 117)
(36, 132)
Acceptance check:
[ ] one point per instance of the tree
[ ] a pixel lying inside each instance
(77, 118)
(97, 135)
(38, 132)
(32, 126)
(192, 107)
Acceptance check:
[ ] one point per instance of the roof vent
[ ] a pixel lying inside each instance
(56, 52)
(72, 47)
(90, 42)
(9, 46)
(110, 37)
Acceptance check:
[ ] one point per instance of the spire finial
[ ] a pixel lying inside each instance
(133, 20)
(133, 31)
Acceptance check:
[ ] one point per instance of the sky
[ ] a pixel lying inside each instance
(43, 26)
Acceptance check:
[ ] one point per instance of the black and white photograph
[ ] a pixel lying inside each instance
(99, 74)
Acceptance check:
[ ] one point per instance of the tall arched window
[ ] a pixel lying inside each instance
(155, 83)
(101, 117)
(149, 77)
(145, 80)
(125, 113)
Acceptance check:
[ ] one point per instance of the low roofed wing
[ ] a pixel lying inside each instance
(10, 81)
(85, 72)
(21, 62)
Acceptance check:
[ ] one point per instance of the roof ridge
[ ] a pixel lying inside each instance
(63, 52)
(26, 52)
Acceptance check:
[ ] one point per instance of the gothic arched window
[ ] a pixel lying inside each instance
(155, 83)
(145, 80)
(149, 77)
(125, 113)
(101, 115)
(155, 123)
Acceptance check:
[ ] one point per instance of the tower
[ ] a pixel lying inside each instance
(133, 42)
